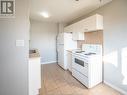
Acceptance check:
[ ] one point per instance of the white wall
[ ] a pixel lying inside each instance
(115, 42)
(14, 60)
(43, 37)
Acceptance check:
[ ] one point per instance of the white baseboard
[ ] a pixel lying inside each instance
(50, 62)
(116, 88)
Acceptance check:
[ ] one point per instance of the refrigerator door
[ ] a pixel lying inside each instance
(64, 42)
(60, 50)
(60, 38)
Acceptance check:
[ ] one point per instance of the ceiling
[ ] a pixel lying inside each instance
(63, 10)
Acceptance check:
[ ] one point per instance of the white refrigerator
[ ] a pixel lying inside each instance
(64, 43)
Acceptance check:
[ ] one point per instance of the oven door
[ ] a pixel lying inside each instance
(80, 65)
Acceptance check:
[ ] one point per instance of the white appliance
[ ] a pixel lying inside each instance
(87, 65)
(64, 43)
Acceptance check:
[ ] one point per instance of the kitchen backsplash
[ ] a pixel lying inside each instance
(92, 38)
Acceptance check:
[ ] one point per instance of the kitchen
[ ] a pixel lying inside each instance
(80, 49)
(63, 47)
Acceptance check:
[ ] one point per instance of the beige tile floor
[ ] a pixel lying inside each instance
(56, 81)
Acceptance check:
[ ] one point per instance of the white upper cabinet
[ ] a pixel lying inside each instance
(78, 36)
(93, 23)
(78, 33)
(90, 24)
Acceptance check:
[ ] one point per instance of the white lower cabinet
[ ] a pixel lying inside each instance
(83, 79)
(34, 75)
(87, 70)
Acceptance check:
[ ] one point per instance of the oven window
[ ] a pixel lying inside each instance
(80, 62)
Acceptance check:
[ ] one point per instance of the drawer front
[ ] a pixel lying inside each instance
(83, 70)
(83, 79)
(80, 65)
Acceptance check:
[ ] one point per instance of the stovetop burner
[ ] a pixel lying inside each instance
(80, 51)
(90, 53)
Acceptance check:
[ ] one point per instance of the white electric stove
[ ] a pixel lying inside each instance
(87, 65)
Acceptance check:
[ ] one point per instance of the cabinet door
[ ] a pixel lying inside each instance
(61, 55)
(75, 36)
(80, 26)
(78, 35)
(93, 23)
(34, 76)
(90, 24)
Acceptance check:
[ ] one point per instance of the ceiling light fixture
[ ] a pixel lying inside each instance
(45, 14)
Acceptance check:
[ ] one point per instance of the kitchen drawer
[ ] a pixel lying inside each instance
(81, 69)
(83, 79)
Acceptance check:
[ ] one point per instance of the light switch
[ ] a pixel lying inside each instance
(20, 43)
